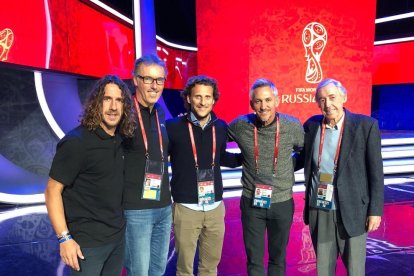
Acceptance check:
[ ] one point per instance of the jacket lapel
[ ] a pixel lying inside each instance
(313, 130)
(348, 140)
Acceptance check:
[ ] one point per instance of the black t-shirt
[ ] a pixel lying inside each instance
(90, 165)
(135, 161)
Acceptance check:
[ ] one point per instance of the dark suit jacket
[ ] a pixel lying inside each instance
(360, 178)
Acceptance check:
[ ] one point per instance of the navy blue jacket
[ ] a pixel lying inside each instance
(184, 177)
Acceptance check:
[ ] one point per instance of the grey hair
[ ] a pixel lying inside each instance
(336, 83)
(262, 83)
(149, 59)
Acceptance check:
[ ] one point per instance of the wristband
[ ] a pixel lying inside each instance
(63, 234)
(65, 238)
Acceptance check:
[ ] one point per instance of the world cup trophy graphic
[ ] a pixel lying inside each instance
(314, 39)
(6, 41)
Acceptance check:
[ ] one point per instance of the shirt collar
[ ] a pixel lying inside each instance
(195, 121)
(146, 108)
(102, 133)
(338, 124)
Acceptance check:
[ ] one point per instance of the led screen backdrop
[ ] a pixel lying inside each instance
(294, 43)
(36, 110)
(70, 36)
(67, 36)
(393, 63)
(59, 40)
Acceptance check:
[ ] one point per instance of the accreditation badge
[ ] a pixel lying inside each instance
(325, 191)
(205, 187)
(262, 193)
(151, 188)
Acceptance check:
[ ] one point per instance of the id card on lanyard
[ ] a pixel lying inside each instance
(154, 170)
(263, 185)
(262, 196)
(205, 177)
(205, 187)
(326, 189)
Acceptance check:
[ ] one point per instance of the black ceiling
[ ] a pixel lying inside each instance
(175, 21)
(394, 29)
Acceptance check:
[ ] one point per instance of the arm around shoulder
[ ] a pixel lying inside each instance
(231, 160)
(232, 131)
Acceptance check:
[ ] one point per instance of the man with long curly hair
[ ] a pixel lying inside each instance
(85, 187)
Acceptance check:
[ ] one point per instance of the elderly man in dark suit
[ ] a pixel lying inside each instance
(344, 181)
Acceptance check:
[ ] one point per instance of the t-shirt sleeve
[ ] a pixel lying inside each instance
(67, 162)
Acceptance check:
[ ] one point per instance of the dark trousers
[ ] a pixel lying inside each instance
(106, 260)
(277, 220)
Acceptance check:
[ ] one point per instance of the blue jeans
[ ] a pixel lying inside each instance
(147, 241)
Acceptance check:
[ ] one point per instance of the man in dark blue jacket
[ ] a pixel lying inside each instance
(197, 149)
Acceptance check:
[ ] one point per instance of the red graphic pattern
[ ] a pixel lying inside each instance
(240, 43)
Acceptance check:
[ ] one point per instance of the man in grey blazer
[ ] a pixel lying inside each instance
(344, 181)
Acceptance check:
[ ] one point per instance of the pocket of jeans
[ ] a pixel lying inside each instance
(127, 214)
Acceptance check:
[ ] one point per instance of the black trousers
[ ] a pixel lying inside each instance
(277, 221)
(106, 260)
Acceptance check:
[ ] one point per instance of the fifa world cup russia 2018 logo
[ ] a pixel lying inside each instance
(314, 39)
(6, 41)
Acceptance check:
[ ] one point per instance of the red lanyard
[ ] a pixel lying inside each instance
(190, 128)
(276, 152)
(338, 147)
(144, 135)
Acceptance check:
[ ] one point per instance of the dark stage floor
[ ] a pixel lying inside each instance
(28, 245)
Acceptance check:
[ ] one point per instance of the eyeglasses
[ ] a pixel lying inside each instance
(150, 80)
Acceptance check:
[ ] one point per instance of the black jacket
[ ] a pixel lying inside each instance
(184, 178)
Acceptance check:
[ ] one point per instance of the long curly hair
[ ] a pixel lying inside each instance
(92, 115)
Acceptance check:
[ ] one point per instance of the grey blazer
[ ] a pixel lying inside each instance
(360, 178)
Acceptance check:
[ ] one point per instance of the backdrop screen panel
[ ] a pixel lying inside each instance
(67, 36)
(296, 44)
